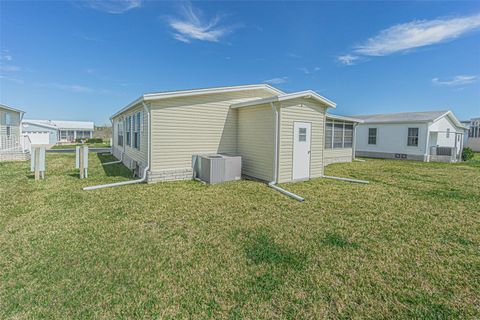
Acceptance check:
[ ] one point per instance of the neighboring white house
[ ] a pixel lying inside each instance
(473, 140)
(50, 132)
(424, 136)
(13, 144)
(280, 136)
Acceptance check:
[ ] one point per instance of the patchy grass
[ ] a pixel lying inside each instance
(404, 246)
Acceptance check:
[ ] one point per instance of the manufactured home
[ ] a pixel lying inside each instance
(424, 136)
(51, 132)
(473, 136)
(279, 136)
(13, 144)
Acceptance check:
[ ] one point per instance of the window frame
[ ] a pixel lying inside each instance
(370, 136)
(330, 135)
(137, 118)
(416, 138)
(344, 135)
(120, 133)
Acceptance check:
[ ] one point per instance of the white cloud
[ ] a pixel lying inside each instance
(5, 56)
(90, 38)
(411, 35)
(417, 34)
(278, 80)
(304, 70)
(347, 59)
(14, 80)
(9, 68)
(193, 26)
(459, 80)
(294, 55)
(75, 88)
(113, 6)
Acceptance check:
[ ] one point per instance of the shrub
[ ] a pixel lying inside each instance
(467, 154)
(95, 140)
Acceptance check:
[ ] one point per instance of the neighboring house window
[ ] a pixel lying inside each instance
(128, 128)
(63, 135)
(8, 118)
(372, 135)
(412, 140)
(136, 130)
(329, 135)
(448, 132)
(348, 136)
(120, 134)
(9, 131)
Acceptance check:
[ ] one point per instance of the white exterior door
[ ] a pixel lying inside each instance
(39, 137)
(301, 150)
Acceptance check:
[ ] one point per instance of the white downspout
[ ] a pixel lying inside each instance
(354, 140)
(273, 183)
(144, 177)
(427, 142)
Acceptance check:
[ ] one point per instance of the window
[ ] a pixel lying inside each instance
(302, 134)
(63, 135)
(448, 132)
(329, 135)
(8, 118)
(372, 135)
(9, 131)
(412, 140)
(120, 134)
(136, 130)
(338, 135)
(128, 129)
(348, 136)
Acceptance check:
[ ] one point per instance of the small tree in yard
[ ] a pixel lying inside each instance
(467, 154)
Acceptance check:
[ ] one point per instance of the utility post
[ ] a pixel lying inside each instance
(81, 161)
(37, 162)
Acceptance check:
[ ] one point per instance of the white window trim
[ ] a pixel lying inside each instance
(408, 137)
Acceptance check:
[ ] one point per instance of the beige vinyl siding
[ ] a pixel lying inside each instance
(337, 155)
(14, 120)
(185, 126)
(301, 110)
(139, 155)
(256, 141)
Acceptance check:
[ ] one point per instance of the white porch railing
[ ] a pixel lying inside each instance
(14, 144)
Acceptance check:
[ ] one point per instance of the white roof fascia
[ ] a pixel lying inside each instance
(337, 117)
(11, 109)
(40, 124)
(194, 92)
(309, 94)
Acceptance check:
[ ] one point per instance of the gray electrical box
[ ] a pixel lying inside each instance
(217, 168)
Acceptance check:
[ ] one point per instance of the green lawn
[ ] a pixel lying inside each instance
(404, 246)
(90, 145)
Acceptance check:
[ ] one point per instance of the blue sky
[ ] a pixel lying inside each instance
(85, 60)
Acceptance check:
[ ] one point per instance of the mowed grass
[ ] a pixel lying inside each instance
(404, 246)
(90, 145)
